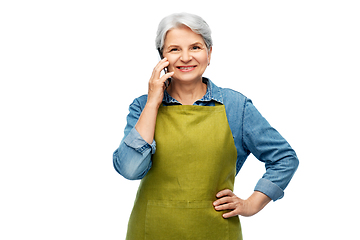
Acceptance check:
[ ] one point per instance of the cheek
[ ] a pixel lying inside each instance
(171, 65)
(203, 59)
(170, 68)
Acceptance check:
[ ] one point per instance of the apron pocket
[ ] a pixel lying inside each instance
(180, 220)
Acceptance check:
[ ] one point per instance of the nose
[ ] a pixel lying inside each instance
(185, 56)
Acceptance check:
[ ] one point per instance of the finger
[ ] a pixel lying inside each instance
(166, 76)
(161, 62)
(230, 214)
(229, 206)
(225, 192)
(159, 67)
(222, 200)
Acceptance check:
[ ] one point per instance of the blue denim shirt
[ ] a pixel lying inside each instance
(250, 130)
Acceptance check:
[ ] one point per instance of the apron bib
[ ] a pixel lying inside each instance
(195, 159)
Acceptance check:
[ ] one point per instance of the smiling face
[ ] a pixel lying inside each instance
(187, 54)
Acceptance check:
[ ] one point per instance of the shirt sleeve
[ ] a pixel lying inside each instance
(132, 159)
(267, 145)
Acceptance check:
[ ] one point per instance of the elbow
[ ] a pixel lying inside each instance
(294, 163)
(290, 167)
(121, 168)
(128, 167)
(128, 172)
(130, 175)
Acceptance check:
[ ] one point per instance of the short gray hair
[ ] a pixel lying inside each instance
(192, 21)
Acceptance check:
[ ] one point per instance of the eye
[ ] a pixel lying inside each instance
(195, 48)
(174, 50)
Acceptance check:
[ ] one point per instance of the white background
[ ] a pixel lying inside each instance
(69, 70)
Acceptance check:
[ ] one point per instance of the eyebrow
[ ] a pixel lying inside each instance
(195, 43)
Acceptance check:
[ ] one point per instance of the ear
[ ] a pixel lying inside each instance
(209, 55)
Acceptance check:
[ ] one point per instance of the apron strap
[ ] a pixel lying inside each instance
(216, 104)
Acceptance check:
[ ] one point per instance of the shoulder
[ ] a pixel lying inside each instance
(232, 97)
(137, 105)
(139, 102)
(231, 93)
(225, 95)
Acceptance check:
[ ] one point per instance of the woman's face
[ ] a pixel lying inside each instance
(187, 54)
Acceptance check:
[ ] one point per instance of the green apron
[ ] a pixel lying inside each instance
(195, 159)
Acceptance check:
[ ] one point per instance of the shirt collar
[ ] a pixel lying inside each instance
(212, 93)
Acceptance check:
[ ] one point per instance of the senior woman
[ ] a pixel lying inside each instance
(188, 140)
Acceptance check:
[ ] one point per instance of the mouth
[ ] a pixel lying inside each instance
(186, 68)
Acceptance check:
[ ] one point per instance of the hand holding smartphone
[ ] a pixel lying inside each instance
(168, 81)
(157, 83)
(147, 120)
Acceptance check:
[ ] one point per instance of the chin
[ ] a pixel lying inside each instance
(187, 78)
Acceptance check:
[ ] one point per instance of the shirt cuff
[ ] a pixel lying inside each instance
(135, 141)
(270, 189)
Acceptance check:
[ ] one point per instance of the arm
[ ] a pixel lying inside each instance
(280, 161)
(267, 145)
(146, 124)
(133, 157)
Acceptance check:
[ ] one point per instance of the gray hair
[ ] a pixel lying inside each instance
(192, 21)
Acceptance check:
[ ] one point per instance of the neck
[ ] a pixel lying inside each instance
(187, 93)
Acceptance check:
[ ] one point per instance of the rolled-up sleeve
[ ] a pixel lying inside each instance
(267, 145)
(132, 159)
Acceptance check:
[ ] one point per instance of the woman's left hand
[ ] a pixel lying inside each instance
(249, 207)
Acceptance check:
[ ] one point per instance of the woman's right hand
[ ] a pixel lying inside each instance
(157, 84)
(147, 120)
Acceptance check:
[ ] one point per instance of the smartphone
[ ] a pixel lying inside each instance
(167, 82)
